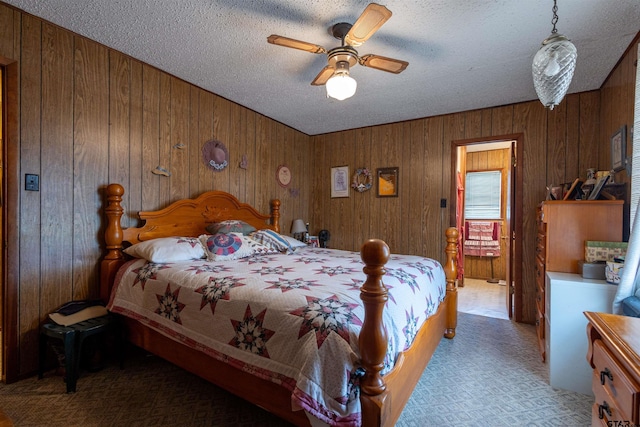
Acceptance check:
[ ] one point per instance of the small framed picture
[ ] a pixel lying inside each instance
(340, 181)
(619, 149)
(313, 242)
(597, 188)
(387, 182)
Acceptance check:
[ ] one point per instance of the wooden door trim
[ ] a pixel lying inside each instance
(11, 208)
(516, 221)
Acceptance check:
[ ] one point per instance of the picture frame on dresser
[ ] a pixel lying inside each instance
(597, 188)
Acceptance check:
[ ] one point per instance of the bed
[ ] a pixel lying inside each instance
(378, 382)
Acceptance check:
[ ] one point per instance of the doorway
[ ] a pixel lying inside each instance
(2, 288)
(490, 249)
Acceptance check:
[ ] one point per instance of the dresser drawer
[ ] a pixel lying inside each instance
(612, 384)
(540, 303)
(606, 406)
(540, 331)
(541, 245)
(540, 325)
(596, 421)
(540, 274)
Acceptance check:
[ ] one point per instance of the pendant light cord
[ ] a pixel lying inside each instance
(554, 20)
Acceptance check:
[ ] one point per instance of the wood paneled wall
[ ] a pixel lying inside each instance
(89, 116)
(617, 106)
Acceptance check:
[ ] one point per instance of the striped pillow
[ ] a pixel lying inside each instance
(272, 240)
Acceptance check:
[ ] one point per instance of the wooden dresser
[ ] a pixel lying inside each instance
(563, 227)
(541, 252)
(614, 354)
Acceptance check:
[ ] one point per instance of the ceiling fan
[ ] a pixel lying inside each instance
(336, 74)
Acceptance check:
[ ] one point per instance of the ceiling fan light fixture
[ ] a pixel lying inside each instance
(553, 66)
(341, 85)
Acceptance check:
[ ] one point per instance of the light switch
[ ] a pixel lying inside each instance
(32, 182)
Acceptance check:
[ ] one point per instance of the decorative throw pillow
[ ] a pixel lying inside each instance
(272, 240)
(259, 248)
(230, 226)
(167, 249)
(222, 247)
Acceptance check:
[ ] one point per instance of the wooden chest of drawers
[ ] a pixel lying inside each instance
(563, 226)
(541, 251)
(614, 354)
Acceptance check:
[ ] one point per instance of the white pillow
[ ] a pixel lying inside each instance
(294, 243)
(167, 249)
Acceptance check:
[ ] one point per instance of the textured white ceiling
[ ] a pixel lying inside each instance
(462, 54)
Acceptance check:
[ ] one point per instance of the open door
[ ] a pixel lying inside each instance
(511, 243)
(509, 237)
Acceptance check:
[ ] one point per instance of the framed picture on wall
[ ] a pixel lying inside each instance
(340, 181)
(619, 149)
(387, 182)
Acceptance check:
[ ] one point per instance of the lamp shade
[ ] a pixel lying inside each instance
(553, 67)
(298, 226)
(341, 86)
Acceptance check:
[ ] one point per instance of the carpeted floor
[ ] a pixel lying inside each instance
(489, 375)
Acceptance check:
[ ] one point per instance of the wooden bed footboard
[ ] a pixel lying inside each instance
(382, 397)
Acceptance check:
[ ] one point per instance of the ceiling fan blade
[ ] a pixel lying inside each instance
(383, 63)
(324, 75)
(372, 18)
(295, 44)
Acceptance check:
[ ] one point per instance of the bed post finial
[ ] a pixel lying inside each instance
(451, 273)
(373, 339)
(275, 215)
(113, 236)
(114, 211)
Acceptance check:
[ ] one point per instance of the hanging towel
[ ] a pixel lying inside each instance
(482, 238)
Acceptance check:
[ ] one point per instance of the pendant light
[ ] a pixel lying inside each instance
(553, 66)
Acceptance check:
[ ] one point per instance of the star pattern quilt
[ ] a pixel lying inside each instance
(293, 319)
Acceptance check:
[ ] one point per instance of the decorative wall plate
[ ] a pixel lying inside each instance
(283, 176)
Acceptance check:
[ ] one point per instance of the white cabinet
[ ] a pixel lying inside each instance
(568, 296)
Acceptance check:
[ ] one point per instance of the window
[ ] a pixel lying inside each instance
(482, 195)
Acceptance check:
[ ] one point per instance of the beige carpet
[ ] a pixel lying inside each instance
(489, 375)
(483, 298)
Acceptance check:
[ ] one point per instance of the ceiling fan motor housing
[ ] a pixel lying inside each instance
(340, 30)
(342, 57)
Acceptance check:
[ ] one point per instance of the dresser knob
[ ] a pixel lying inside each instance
(605, 374)
(602, 409)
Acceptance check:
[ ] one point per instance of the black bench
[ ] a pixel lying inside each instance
(72, 337)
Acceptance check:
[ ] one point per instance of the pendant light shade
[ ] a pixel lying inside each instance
(553, 66)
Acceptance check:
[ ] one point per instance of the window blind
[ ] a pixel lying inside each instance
(482, 195)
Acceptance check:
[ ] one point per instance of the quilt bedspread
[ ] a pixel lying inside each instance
(293, 319)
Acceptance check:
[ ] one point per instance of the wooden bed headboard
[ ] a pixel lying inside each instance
(186, 217)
